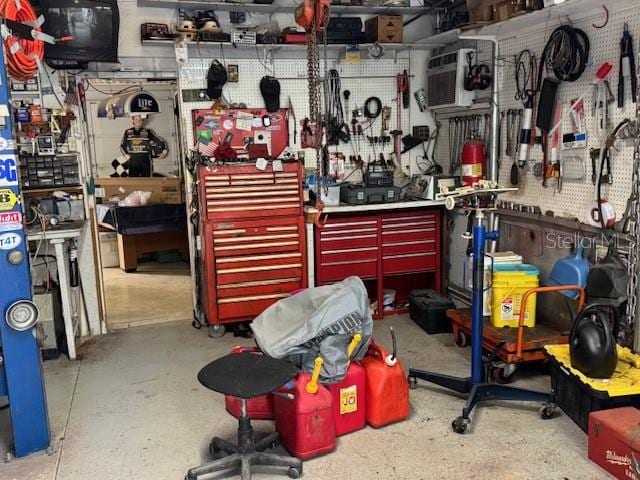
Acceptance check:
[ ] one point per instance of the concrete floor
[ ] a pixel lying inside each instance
(155, 293)
(132, 408)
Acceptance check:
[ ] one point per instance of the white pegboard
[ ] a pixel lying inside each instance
(361, 79)
(574, 197)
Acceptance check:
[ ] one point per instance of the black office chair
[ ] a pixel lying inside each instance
(246, 375)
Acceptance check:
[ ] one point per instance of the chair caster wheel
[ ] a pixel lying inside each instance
(294, 472)
(216, 453)
(413, 383)
(216, 331)
(547, 411)
(459, 425)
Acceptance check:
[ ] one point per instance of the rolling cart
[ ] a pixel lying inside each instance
(511, 347)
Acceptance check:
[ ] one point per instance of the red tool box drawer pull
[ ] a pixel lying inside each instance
(415, 246)
(337, 271)
(416, 262)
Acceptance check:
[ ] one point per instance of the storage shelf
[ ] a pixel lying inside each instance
(288, 46)
(542, 20)
(279, 8)
(52, 189)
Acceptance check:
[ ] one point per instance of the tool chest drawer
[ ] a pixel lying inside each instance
(409, 262)
(348, 246)
(237, 191)
(234, 238)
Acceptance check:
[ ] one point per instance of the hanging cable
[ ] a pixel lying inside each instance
(566, 54)
(24, 56)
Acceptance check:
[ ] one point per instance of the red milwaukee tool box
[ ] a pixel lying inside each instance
(614, 441)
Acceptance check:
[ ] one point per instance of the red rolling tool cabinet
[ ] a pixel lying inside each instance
(384, 247)
(253, 239)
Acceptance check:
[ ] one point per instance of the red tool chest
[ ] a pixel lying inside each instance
(374, 246)
(614, 441)
(252, 237)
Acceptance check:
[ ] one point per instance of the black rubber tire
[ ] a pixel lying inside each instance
(459, 425)
(547, 411)
(413, 383)
(462, 339)
(498, 376)
(216, 331)
(294, 472)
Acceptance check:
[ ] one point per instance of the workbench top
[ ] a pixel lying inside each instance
(376, 207)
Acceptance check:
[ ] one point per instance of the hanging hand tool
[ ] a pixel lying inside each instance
(403, 88)
(627, 67)
(292, 120)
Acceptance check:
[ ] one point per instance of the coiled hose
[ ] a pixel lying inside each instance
(23, 56)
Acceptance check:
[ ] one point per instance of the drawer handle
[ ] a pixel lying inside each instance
(254, 246)
(409, 255)
(259, 269)
(349, 250)
(252, 238)
(419, 230)
(400, 244)
(255, 297)
(351, 262)
(258, 283)
(255, 258)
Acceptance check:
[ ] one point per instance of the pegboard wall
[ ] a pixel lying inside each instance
(365, 79)
(574, 197)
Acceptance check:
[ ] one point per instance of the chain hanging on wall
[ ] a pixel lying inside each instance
(629, 322)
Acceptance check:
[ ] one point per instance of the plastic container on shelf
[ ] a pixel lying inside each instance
(578, 395)
(510, 282)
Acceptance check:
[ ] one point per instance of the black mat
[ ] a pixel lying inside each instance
(246, 375)
(146, 219)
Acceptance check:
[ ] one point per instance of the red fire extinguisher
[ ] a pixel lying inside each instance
(473, 162)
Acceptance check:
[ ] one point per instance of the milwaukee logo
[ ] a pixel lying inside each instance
(347, 324)
(615, 459)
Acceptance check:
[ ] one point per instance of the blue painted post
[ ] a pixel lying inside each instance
(480, 236)
(22, 379)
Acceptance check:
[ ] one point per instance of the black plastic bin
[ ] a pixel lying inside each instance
(429, 310)
(578, 399)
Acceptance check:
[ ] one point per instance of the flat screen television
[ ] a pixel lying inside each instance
(93, 24)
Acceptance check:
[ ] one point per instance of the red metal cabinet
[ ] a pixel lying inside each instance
(376, 245)
(251, 257)
(348, 246)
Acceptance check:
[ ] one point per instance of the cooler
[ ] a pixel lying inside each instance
(510, 282)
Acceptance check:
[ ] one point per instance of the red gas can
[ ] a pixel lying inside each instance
(259, 408)
(304, 416)
(349, 404)
(387, 387)
(613, 441)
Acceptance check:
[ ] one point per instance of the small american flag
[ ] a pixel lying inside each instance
(207, 149)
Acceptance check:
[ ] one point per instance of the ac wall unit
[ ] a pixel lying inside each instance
(445, 80)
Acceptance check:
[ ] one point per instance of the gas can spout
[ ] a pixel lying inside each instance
(391, 360)
(312, 386)
(357, 338)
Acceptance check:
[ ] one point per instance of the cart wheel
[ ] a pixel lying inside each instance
(498, 375)
(413, 383)
(547, 410)
(459, 425)
(216, 331)
(462, 339)
(215, 451)
(294, 472)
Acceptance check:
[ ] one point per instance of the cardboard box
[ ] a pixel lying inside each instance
(480, 10)
(163, 189)
(614, 440)
(384, 29)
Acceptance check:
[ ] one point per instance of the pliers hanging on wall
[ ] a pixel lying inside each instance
(627, 67)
